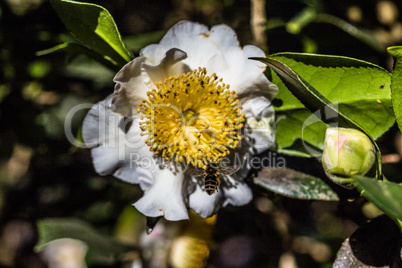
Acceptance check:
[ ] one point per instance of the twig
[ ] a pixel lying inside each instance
(258, 22)
(391, 159)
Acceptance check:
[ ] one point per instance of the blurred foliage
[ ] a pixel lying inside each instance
(43, 176)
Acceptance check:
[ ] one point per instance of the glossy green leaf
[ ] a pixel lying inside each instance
(340, 79)
(294, 184)
(307, 142)
(396, 83)
(360, 89)
(385, 195)
(94, 27)
(102, 249)
(356, 78)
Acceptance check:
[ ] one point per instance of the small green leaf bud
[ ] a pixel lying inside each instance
(347, 152)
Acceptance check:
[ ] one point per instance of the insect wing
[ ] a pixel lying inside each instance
(229, 170)
(197, 172)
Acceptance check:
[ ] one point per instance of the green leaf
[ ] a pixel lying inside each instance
(294, 184)
(102, 249)
(306, 143)
(80, 49)
(361, 89)
(94, 27)
(336, 77)
(387, 196)
(356, 82)
(396, 83)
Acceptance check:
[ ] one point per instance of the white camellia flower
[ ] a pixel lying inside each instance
(172, 109)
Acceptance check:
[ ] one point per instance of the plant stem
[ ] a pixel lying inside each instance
(258, 22)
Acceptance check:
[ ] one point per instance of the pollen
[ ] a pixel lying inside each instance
(192, 118)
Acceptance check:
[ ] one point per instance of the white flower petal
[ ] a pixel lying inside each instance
(93, 123)
(105, 161)
(246, 76)
(203, 204)
(182, 32)
(184, 35)
(236, 193)
(130, 88)
(253, 105)
(260, 133)
(149, 52)
(259, 126)
(170, 65)
(113, 150)
(193, 38)
(224, 37)
(165, 197)
(254, 51)
(257, 68)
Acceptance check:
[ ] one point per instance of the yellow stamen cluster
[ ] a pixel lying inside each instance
(191, 117)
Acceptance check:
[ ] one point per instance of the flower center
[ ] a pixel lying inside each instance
(191, 117)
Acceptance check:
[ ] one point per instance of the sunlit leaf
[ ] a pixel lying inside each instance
(294, 184)
(306, 143)
(385, 195)
(372, 110)
(343, 86)
(360, 89)
(94, 27)
(396, 83)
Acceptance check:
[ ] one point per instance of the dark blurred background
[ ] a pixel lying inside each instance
(42, 175)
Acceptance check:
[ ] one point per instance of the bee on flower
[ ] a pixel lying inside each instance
(192, 100)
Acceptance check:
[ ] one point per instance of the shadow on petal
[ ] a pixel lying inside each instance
(235, 193)
(203, 204)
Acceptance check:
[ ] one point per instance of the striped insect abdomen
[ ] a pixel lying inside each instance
(211, 183)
